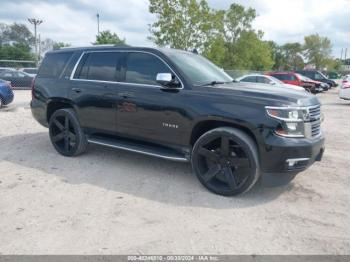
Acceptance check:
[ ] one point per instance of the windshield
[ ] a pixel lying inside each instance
(302, 77)
(198, 69)
(277, 81)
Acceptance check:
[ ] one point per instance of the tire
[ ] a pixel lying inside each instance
(1, 102)
(225, 160)
(66, 134)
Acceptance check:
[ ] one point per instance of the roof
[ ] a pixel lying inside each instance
(116, 47)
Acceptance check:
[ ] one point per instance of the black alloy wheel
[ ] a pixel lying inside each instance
(66, 135)
(225, 161)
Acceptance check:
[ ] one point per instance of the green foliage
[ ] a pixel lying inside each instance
(250, 52)
(15, 43)
(18, 33)
(59, 45)
(182, 24)
(16, 51)
(293, 56)
(224, 36)
(106, 37)
(318, 50)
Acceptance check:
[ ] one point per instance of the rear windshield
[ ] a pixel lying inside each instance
(53, 64)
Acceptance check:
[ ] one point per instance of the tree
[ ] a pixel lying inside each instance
(224, 36)
(318, 50)
(18, 33)
(250, 52)
(15, 43)
(59, 45)
(293, 56)
(182, 24)
(237, 20)
(106, 37)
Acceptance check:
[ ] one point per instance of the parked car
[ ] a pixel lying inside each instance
(6, 94)
(318, 76)
(344, 91)
(178, 106)
(32, 71)
(318, 87)
(334, 75)
(269, 80)
(17, 78)
(292, 78)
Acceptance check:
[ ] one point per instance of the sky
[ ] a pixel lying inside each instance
(74, 21)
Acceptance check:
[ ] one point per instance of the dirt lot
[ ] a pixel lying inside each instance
(114, 202)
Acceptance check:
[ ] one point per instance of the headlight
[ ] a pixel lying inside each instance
(292, 120)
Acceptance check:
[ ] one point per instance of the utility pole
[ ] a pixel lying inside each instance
(35, 22)
(346, 52)
(341, 54)
(98, 24)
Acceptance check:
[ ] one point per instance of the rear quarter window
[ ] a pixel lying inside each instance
(53, 64)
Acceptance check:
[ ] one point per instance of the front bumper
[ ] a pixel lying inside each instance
(284, 158)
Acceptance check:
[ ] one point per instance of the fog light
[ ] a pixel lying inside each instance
(297, 162)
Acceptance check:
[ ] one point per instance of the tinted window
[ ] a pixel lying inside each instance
(143, 68)
(53, 64)
(197, 68)
(99, 66)
(250, 79)
(285, 77)
(264, 80)
(308, 74)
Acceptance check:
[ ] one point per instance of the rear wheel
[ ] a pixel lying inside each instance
(66, 135)
(1, 102)
(225, 161)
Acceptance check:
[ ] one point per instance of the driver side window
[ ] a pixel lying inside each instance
(142, 68)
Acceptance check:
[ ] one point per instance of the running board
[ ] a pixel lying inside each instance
(131, 146)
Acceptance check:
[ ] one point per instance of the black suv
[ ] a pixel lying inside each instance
(178, 106)
(317, 76)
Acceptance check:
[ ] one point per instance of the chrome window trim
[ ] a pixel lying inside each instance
(117, 82)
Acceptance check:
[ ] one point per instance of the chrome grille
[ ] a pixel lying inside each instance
(315, 112)
(315, 129)
(315, 120)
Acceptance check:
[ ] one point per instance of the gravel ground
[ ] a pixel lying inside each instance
(115, 202)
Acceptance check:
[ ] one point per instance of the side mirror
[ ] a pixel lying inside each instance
(167, 80)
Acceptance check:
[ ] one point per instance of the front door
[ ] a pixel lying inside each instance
(145, 109)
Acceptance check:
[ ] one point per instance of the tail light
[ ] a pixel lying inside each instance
(33, 83)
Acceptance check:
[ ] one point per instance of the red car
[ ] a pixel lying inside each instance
(293, 79)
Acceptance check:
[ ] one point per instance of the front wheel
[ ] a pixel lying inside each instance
(225, 161)
(66, 135)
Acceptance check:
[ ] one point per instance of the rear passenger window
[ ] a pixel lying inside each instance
(250, 79)
(142, 68)
(53, 64)
(99, 66)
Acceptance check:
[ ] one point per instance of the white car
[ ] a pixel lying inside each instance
(344, 90)
(269, 80)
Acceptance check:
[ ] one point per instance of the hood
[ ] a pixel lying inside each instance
(268, 94)
(294, 87)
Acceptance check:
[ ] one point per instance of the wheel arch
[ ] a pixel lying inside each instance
(56, 104)
(204, 126)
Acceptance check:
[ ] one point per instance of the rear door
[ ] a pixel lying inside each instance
(94, 90)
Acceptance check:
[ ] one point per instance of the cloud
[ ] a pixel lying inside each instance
(74, 21)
